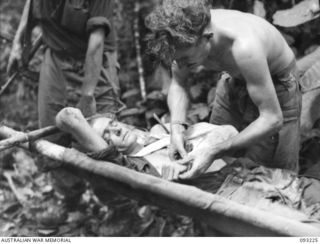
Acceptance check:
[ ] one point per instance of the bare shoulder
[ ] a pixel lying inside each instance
(248, 48)
(256, 43)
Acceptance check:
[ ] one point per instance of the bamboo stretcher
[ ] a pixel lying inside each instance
(226, 216)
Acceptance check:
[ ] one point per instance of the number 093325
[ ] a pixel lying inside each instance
(309, 239)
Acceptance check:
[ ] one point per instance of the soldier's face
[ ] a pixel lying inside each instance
(191, 58)
(121, 135)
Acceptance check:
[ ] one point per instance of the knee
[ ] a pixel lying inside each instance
(68, 117)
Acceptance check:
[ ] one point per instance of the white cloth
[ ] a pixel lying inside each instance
(194, 135)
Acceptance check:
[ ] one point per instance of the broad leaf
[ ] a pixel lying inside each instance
(301, 13)
(307, 62)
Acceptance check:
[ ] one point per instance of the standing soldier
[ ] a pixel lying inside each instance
(80, 53)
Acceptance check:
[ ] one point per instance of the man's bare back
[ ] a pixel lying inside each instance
(233, 30)
(240, 28)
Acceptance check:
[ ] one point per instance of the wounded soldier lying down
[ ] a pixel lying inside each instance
(240, 180)
(146, 150)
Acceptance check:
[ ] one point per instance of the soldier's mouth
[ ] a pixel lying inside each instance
(125, 135)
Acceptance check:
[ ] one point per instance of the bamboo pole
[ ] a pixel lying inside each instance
(138, 50)
(23, 137)
(27, 137)
(221, 214)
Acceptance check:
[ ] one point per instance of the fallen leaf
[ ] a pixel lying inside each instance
(7, 227)
(156, 95)
(130, 93)
(144, 212)
(211, 96)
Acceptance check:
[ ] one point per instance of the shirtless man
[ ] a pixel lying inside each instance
(261, 98)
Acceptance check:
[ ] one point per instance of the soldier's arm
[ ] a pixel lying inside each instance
(92, 69)
(71, 120)
(252, 63)
(178, 102)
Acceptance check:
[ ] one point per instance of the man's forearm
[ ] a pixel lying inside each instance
(93, 62)
(257, 130)
(178, 99)
(72, 121)
(178, 102)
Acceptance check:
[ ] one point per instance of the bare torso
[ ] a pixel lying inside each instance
(248, 48)
(231, 27)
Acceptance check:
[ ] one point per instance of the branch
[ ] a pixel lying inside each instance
(36, 45)
(138, 50)
(21, 198)
(27, 137)
(21, 137)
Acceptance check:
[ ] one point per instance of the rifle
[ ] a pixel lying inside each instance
(36, 45)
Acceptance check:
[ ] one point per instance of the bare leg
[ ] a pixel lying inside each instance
(71, 120)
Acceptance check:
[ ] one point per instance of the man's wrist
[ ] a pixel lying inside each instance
(220, 149)
(88, 87)
(224, 148)
(178, 127)
(181, 123)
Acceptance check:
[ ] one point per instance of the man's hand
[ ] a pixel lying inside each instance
(15, 59)
(172, 170)
(87, 105)
(199, 160)
(176, 149)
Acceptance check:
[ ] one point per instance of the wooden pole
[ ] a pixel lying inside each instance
(221, 214)
(138, 50)
(27, 137)
(23, 137)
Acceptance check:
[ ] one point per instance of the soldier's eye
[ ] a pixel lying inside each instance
(117, 132)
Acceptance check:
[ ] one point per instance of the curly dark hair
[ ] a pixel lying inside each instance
(176, 24)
